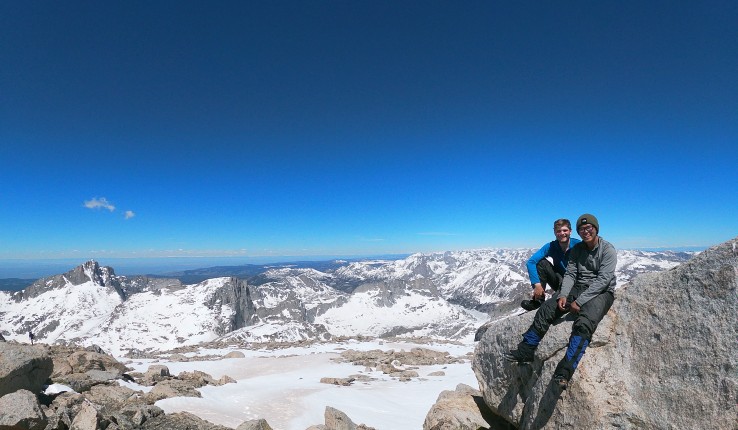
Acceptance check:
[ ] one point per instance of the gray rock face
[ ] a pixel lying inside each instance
(172, 388)
(260, 424)
(461, 409)
(236, 294)
(87, 418)
(337, 420)
(663, 358)
(21, 410)
(23, 367)
(235, 354)
(84, 369)
(181, 420)
(83, 361)
(345, 382)
(156, 373)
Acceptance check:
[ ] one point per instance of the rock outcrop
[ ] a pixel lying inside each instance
(23, 367)
(21, 410)
(180, 420)
(663, 358)
(99, 401)
(83, 369)
(260, 424)
(338, 420)
(462, 409)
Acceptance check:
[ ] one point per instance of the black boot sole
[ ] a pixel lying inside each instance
(530, 305)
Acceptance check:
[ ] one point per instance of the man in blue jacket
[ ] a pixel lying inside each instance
(547, 266)
(588, 291)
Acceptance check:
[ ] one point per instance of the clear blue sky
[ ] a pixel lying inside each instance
(149, 129)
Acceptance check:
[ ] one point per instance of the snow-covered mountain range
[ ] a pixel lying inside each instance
(439, 295)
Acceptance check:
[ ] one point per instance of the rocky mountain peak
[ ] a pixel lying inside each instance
(90, 271)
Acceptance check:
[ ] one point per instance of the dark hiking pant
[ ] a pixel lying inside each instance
(587, 319)
(589, 316)
(548, 275)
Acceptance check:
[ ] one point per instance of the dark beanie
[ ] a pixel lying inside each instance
(588, 219)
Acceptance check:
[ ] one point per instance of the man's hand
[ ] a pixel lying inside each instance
(538, 292)
(573, 306)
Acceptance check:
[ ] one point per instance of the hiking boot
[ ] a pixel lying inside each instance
(561, 382)
(518, 356)
(531, 305)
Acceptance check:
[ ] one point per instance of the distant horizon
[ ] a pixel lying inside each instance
(41, 267)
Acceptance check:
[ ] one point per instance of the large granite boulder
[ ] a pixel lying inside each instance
(85, 361)
(83, 369)
(88, 418)
(21, 410)
(23, 367)
(259, 424)
(664, 357)
(180, 420)
(462, 409)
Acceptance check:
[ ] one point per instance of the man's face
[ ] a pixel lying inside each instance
(562, 233)
(587, 232)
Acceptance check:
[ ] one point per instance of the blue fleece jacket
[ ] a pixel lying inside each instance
(553, 250)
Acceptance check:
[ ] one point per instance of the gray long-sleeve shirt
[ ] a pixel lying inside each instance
(595, 268)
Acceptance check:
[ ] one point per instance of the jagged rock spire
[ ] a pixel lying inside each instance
(90, 271)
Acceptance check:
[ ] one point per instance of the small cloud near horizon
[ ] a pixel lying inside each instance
(99, 203)
(130, 214)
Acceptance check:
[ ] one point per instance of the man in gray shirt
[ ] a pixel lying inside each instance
(587, 290)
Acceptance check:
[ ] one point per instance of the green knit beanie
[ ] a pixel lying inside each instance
(588, 219)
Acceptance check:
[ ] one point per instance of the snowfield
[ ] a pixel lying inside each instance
(284, 387)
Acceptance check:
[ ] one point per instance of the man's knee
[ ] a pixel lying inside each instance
(544, 266)
(591, 314)
(545, 315)
(584, 328)
(547, 274)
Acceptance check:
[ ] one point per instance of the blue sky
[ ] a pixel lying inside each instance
(152, 129)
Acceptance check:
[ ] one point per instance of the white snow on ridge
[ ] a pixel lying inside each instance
(415, 313)
(166, 319)
(93, 314)
(66, 313)
(281, 331)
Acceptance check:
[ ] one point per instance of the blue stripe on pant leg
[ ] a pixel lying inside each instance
(575, 350)
(531, 337)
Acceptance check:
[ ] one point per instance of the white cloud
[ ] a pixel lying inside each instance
(98, 203)
(130, 214)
